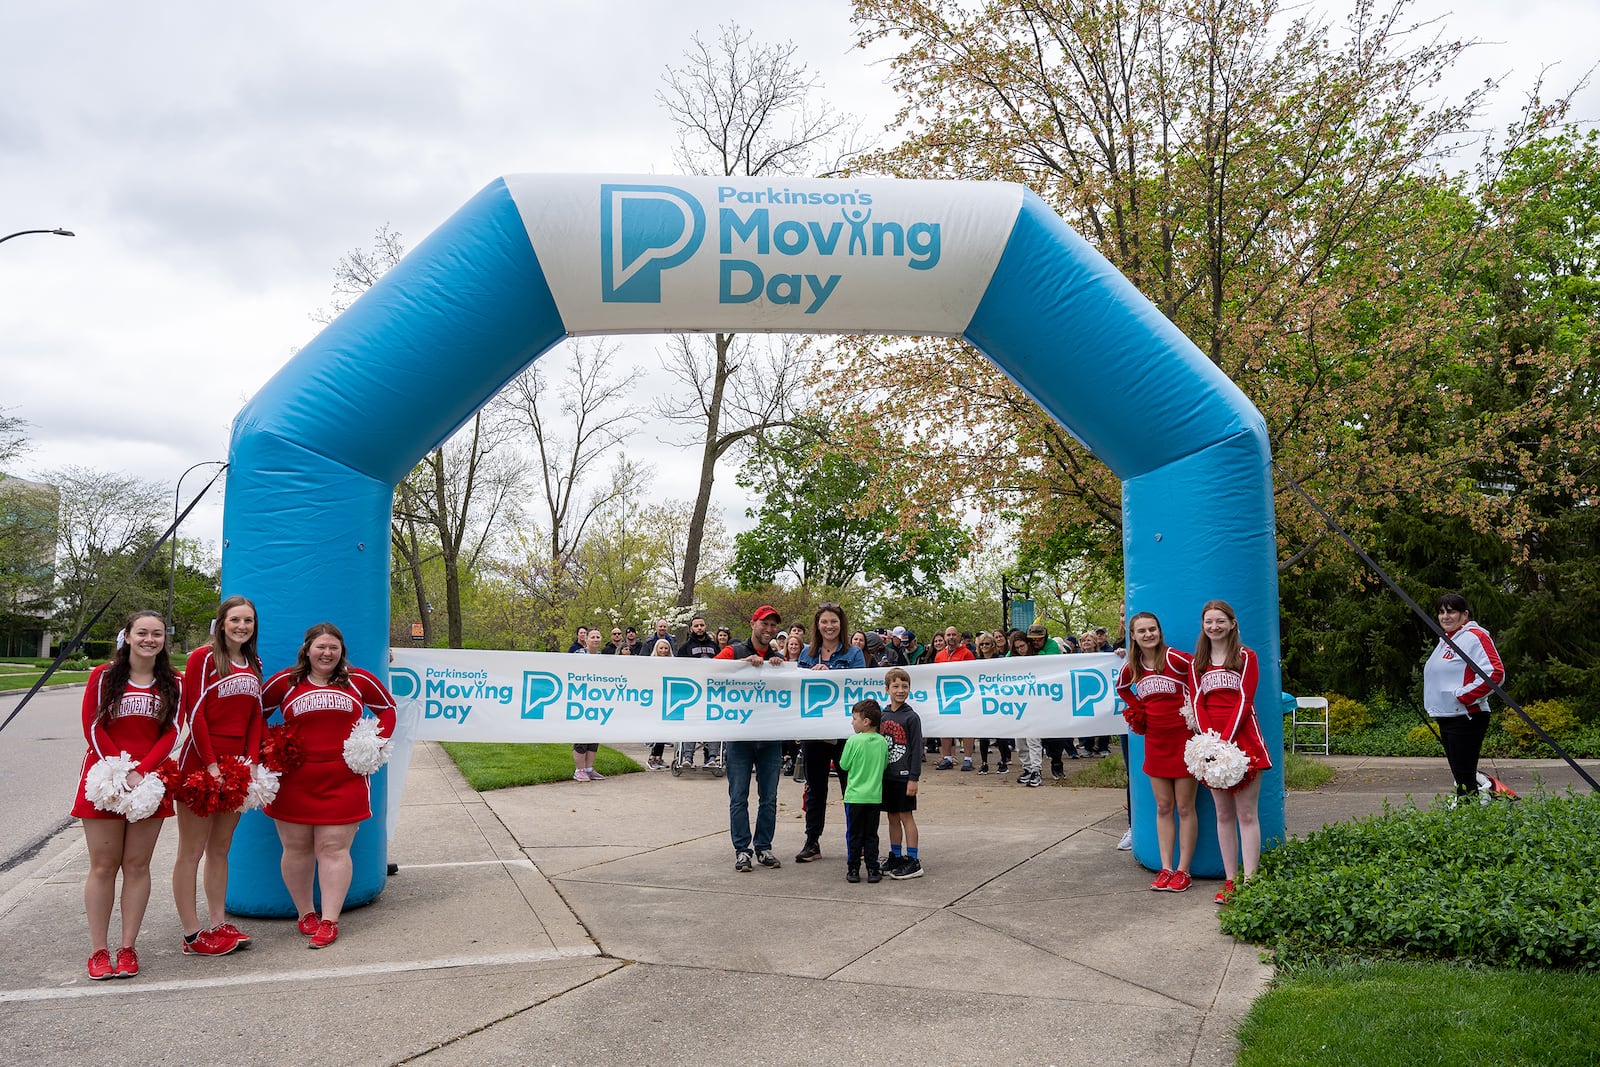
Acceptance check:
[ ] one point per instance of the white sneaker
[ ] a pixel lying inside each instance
(1125, 844)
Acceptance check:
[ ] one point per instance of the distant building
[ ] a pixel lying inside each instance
(29, 516)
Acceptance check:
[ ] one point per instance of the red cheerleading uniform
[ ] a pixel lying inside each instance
(135, 728)
(1224, 701)
(1159, 697)
(323, 791)
(223, 714)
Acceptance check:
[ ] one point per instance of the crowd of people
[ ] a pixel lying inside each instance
(199, 736)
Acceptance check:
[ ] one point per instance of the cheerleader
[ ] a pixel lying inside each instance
(222, 714)
(1154, 685)
(321, 802)
(1223, 680)
(130, 705)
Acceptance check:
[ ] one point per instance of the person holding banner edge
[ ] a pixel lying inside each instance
(1154, 684)
(827, 652)
(322, 802)
(761, 759)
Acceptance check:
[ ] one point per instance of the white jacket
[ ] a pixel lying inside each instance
(1449, 686)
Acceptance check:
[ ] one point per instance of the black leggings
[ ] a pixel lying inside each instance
(1003, 743)
(1463, 743)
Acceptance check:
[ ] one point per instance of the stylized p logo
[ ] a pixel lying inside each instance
(404, 683)
(644, 230)
(952, 690)
(817, 695)
(677, 695)
(1088, 689)
(540, 689)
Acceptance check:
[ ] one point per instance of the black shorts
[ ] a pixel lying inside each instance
(895, 800)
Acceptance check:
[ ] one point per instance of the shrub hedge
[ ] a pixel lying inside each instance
(1505, 884)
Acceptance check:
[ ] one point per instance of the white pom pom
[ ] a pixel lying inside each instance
(1219, 764)
(107, 781)
(142, 800)
(365, 750)
(263, 787)
(1190, 718)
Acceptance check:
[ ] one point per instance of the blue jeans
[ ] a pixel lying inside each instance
(764, 758)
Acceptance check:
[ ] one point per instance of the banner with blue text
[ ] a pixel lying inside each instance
(471, 695)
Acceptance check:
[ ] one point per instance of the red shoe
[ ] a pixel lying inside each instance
(127, 962)
(233, 933)
(309, 922)
(1163, 880)
(1224, 894)
(100, 967)
(209, 943)
(1179, 881)
(327, 933)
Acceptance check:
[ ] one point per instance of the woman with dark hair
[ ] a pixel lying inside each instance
(1456, 694)
(322, 802)
(1223, 679)
(222, 710)
(1032, 748)
(1154, 685)
(828, 651)
(130, 707)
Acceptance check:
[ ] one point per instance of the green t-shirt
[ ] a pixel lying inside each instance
(863, 760)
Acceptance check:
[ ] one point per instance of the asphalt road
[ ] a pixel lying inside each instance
(40, 753)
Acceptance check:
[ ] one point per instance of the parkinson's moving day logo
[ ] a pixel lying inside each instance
(646, 230)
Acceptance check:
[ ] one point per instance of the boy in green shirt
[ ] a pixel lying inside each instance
(861, 764)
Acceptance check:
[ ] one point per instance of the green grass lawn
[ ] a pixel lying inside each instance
(500, 766)
(26, 679)
(1404, 1014)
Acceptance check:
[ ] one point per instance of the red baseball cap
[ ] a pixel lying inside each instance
(766, 611)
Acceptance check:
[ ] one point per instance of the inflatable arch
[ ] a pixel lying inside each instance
(532, 259)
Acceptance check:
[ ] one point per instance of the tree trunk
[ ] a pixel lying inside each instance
(708, 473)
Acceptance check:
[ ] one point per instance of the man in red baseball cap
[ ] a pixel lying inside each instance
(765, 758)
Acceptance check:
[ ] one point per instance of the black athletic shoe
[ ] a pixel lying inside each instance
(911, 868)
(812, 851)
(852, 876)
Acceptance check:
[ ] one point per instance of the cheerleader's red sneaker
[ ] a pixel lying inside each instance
(127, 962)
(1224, 894)
(309, 922)
(209, 943)
(327, 933)
(232, 933)
(100, 967)
(1179, 881)
(1163, 880)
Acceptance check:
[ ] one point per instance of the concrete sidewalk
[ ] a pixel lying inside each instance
(604, 922)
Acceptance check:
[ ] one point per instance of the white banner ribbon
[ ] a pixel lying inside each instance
(469, 695)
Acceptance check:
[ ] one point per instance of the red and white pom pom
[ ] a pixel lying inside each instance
(142, 800)
(107, 781)
(263, 787)
(365, 750)
(1218, 763)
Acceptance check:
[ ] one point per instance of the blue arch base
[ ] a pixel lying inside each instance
(315, 455)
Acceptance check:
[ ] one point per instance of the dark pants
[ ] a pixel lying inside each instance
(1463, 743)
(1004, 744)
(861, 835)
(819, 757)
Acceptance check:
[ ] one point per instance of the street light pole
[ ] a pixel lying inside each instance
(172, 570)
(58, 231)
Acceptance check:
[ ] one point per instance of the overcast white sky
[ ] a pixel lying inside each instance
(216, 161)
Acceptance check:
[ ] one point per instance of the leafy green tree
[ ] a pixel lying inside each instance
(811, 528)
